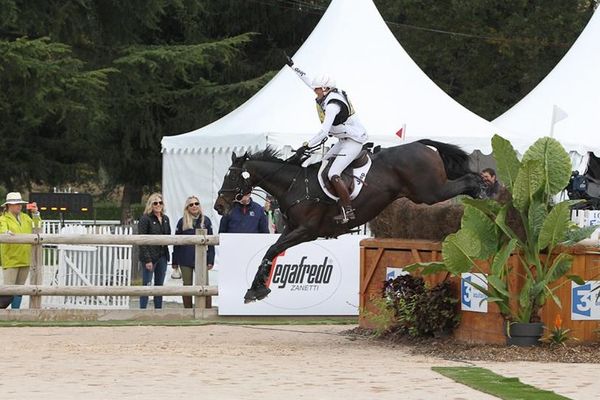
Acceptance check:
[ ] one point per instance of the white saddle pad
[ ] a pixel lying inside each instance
(359, 174)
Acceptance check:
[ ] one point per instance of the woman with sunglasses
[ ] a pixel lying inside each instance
(154, 258)
(184, 257)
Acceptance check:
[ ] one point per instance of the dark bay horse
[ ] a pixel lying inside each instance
(425, 172)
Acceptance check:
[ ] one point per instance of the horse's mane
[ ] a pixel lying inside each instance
(268, 154)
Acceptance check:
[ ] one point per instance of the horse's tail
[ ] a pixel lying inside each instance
(456, 160)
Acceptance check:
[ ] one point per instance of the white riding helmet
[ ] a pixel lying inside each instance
(323, 81)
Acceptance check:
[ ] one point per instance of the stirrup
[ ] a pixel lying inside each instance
(346, 215)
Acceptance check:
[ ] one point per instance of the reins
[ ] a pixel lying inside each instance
(246, 188)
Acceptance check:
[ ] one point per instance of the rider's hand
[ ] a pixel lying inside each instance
(298, 155)
(301, 150)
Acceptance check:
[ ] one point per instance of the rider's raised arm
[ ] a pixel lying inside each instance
(331, 111)
(306, 78)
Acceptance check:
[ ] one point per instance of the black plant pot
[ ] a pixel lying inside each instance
(524, 334)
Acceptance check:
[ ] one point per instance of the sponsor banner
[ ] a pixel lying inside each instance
(593, 217)
(585, 304)
(585, 218)
(315, 278)
(471, 299)
(394, 272)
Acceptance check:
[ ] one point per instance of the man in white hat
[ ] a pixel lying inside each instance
(16, 258)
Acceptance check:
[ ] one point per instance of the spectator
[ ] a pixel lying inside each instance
(274, 216)
(154, 258)
(245, 216)
(184, 257)
(16, 258)
(493, 188)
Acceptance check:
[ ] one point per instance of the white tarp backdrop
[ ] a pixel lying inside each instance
(571, 91)
(353, 44)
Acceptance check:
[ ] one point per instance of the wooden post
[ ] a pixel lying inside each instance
(36, 275)
(201, 273)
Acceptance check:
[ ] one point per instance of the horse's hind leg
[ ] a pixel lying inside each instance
(473, 185)
(260, 287)
(469, 184)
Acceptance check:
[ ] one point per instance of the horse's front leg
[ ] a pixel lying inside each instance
(289, 238)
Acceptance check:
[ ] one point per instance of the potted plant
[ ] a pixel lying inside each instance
(541, 228)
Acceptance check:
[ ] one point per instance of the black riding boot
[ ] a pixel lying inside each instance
(259, 289)
(342, 192)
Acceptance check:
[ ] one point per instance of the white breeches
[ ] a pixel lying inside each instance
(344, 151)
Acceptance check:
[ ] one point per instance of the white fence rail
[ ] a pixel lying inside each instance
(55, 224)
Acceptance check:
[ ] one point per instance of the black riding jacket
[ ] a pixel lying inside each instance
(149, 225)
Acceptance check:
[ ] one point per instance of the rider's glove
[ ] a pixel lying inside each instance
(302, 150)
(300, 153)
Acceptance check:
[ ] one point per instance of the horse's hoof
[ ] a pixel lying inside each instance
(256, 294)
(262, 292)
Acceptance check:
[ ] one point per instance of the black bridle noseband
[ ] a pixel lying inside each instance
(243, 188)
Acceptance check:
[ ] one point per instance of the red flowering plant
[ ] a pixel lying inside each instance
(558, 334)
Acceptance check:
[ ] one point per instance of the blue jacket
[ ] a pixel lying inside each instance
(186, 255)
(245, 219)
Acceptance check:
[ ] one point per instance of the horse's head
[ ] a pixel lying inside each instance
(236, 184)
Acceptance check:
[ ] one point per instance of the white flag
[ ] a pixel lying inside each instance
(558, 114)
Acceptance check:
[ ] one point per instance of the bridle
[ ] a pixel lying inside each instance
(242, 181)
(244, 186)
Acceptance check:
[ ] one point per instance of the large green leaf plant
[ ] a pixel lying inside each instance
(487, 236)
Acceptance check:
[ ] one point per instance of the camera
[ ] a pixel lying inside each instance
(578, 186)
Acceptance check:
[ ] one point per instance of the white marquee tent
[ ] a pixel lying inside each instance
(388, 90)
(569, 96)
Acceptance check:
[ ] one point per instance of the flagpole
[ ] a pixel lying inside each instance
(553, 121)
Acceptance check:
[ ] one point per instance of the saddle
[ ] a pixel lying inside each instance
(347, 176)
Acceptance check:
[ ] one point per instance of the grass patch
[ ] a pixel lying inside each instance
(500, 386)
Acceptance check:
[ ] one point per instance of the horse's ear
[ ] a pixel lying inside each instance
(233, 157)
(247, 156)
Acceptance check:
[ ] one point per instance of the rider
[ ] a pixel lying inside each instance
(339, 120)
